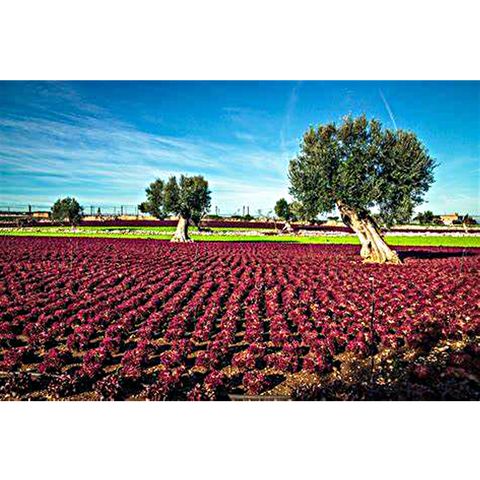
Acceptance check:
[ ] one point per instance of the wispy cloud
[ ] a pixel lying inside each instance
(88, 153)
(244, 136)
(389, 110)
(289, 111)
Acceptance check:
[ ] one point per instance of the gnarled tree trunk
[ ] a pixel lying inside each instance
(287, 227)
(374, 249)
(181, 233)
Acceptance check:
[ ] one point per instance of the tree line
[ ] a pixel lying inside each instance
(371, 174)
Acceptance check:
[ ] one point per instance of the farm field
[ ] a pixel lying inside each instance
(101, 319)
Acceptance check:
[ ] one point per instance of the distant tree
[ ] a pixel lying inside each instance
(67, 210)
(284, 212)
(358, 165)
(425, 218)
(300, 212)
(155, 203)
(189, 199)
(468, 221)
(282, 209)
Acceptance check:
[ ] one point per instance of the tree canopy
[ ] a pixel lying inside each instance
(188, 198)
(362, 165)
(155, 204)
(67, 210)
(425, 218)
(283, 210)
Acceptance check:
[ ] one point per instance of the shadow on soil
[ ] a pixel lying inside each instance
(431, 255)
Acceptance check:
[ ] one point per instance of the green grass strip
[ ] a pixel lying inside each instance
(410, 240)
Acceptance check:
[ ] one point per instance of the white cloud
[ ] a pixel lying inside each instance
(101, 158)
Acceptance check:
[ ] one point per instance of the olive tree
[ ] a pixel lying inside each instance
(284, 211)
(357, 166)
(301, 213)
(425, 218)
(188, 198)
(67, 210)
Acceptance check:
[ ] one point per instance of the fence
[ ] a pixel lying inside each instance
(115, 210)
(108, 210)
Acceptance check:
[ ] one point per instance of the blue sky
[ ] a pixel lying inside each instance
(104, 142)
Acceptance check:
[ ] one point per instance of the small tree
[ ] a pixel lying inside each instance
(67, 210)
(425, 218)
(301, 213)
(155, 204)
(189, 199)
(284, 211)
(356, 166)
(468, 220)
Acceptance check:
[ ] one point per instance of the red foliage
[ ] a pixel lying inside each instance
(112, 315)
